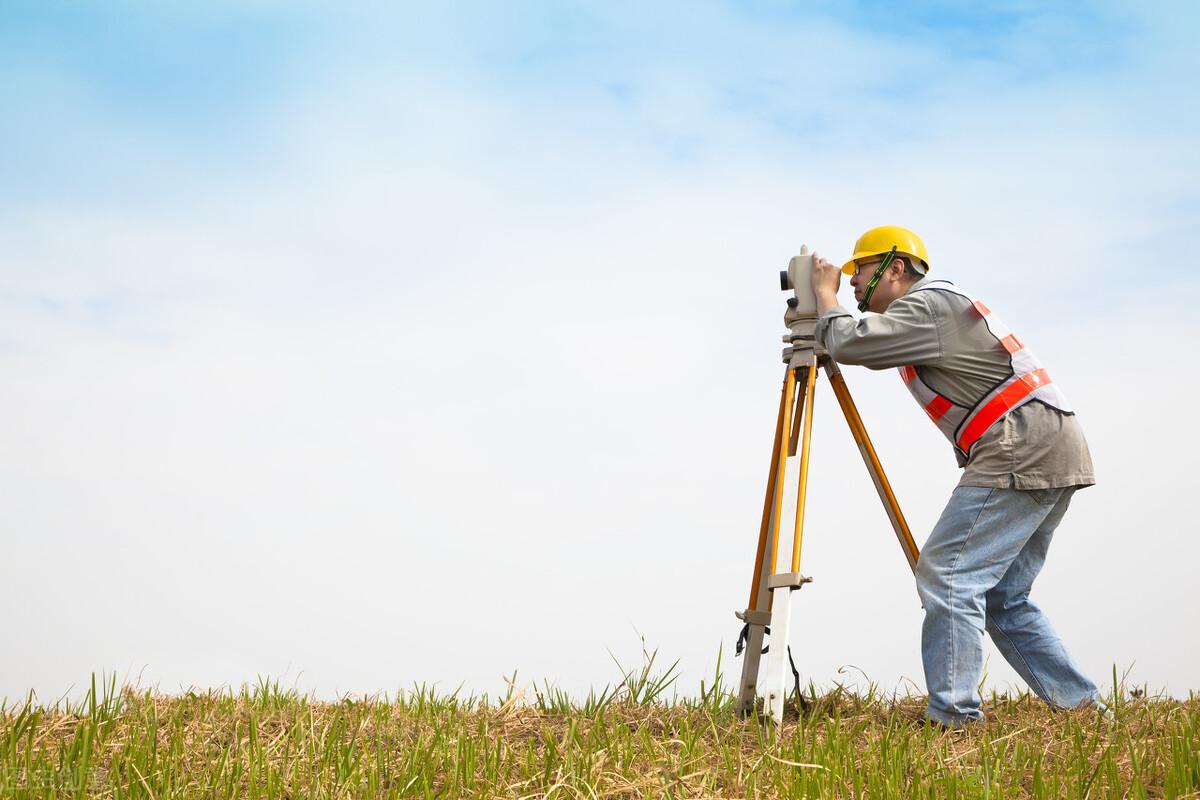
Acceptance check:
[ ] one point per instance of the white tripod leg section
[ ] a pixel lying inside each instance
(774, 688)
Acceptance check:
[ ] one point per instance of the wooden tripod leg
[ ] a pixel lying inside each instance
(810, 388)
(871, 459)
(758, 613)
(783, 586)
(765, 539)
(794, 440)
(789, 393)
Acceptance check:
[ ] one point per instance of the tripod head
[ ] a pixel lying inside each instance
(801, 315)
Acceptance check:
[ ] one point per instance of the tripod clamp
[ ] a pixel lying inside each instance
(801, 339)
(788, 580)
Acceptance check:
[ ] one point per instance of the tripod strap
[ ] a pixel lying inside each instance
(741, 645)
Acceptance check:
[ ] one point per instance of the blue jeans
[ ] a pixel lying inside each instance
(976, 571)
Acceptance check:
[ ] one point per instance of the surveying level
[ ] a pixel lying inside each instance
(771, 591)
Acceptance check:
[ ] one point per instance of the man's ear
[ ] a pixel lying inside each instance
(897, 267)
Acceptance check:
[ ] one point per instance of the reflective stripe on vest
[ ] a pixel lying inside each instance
(1027, 381)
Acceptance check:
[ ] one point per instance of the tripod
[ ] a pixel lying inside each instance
(771, 591)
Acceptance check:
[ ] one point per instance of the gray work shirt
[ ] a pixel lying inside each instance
(1033, 447)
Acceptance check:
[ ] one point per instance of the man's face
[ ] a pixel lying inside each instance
(890, 284)
(862, 276)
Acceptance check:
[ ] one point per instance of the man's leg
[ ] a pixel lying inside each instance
(1021, 631)
(980, 533)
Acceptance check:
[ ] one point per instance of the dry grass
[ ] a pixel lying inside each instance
(266, 742)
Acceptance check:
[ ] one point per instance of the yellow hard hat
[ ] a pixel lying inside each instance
(880, 241)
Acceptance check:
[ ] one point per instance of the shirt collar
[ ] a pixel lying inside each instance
(919, 284)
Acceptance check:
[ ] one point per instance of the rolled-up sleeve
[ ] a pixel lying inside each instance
(907, 333)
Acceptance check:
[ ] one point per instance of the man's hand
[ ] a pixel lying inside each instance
(826, 280)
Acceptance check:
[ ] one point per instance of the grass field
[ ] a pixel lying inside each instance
(630, 740)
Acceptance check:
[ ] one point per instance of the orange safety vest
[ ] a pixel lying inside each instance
(1027, 381)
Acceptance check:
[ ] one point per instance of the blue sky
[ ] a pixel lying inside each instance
(177, 107)
(210, 82)
(281, 284)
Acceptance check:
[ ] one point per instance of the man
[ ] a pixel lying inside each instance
(1022, 452)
